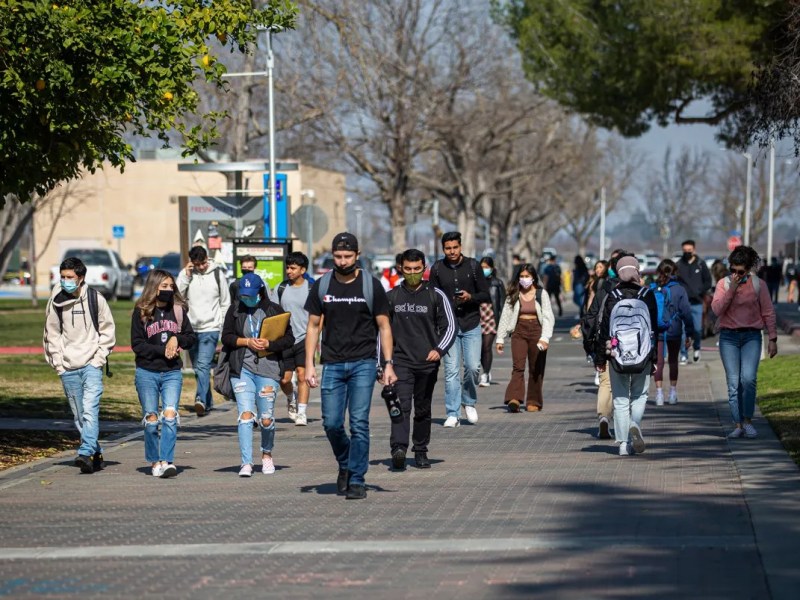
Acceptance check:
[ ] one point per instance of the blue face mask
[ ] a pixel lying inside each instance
(612, 273)
(487, 272)
(250, 301)
(69, 285)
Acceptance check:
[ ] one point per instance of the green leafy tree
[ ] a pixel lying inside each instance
(625, 63)
(76, 76)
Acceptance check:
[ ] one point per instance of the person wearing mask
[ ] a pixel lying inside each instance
(203, 286)
(694, 276)
(627, 340)
(247, 264)
(356, 313)
(423, 329)
(160, 329)
(489, 320)
(463, 282)
(744, 310)
(255, 368)
(552, 282)
(602, 287)
(292, 295)
(580, 278)
(79, 334)
(528, 320)
(675, 318)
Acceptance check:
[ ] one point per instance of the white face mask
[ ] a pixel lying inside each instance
(525, 282)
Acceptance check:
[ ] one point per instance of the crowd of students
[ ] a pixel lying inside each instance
(398, 337)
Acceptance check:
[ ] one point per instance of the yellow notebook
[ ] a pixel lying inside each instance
(273, 328)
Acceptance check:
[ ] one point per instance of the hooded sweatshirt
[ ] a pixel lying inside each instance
(78, 343)
(208, 297)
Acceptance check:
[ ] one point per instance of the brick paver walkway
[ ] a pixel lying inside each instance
(520, 505)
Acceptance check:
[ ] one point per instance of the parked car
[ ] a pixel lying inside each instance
(105, 271)
(381, 262)
(145, 264)
(171, 263)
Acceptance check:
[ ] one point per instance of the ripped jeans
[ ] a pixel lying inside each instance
(252, 390)
(152, 385)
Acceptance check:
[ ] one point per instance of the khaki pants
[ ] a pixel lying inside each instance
(605, 403)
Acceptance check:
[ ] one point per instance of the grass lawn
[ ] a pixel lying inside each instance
(779, 400)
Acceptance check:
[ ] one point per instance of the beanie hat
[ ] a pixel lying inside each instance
(628, 269)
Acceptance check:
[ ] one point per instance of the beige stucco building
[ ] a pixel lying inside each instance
(144, 200)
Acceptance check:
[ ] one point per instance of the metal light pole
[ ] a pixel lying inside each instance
(273, 205)
(771, 199)
(601, 254)
(747, 197)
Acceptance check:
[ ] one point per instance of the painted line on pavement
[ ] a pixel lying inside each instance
(377, 546)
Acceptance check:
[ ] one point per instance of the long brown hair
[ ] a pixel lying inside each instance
(665, 271)
(147, 301)
(513, 286)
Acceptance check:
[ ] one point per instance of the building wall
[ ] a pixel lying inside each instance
(144, 200)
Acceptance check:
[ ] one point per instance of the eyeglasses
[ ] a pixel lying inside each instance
(740, 272)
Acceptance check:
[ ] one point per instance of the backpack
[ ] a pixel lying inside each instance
(630, 332)
(325, 283)
(94, 313)
(666, 311)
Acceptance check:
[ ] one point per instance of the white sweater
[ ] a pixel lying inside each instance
(510, 316)
(208, 298)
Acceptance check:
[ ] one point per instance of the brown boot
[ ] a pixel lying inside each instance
(513, 406)
(533, 408)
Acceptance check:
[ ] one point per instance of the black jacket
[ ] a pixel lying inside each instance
(148, 340)
(497, 292)
(422, 320)
(468, 276)
(234, 328)
(589, 320)
(695, 279)
(628, 290)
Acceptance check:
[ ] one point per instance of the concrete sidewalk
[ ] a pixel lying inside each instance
(517, 506)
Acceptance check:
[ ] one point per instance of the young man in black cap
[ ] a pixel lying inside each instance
(423, 328)
(356, 321)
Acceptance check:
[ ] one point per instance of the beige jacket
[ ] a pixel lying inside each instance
(78, 344)
(508, 320)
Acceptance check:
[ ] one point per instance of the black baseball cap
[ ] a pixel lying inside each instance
(344, 241)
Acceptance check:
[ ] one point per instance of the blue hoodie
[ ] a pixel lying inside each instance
(679, 301)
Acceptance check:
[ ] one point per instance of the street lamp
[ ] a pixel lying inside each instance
(771, 199)
(747, 198)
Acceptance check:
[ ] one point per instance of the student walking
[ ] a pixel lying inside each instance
(552, 282)
(255, 368)
(674, 314)
(79, 334)
(160, 329)
(203, 286)
(356, 314)
(489, 320)
(463, 282)
(694, 276)
(743, 306)
(528, 320)
(423, 329)
(626, 340)
(580, 279)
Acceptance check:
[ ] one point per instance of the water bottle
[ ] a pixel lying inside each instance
(389, 395)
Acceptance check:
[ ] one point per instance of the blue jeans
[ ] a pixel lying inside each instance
(458, 392)
(740, 352)
(697, 323)
(152, 386)
(251, 390)
(629, 391)
(348, 386)
(83, 388)
(202, 355)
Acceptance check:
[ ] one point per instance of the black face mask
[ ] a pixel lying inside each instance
(246, 271)
(165, 296)
(346, 270)
(687, 256)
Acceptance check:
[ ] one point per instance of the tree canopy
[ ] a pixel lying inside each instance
(625, 63)
(75, 76)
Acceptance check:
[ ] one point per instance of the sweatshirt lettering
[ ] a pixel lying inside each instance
(157, 327)
(408, 307)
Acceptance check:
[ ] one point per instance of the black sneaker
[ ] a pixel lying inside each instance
(343, 481)
(85, 463)
(421, 460)
(356, 492)
(399, 459)
(97, 461)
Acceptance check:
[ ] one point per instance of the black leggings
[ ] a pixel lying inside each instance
(673, 351)
(487, 341)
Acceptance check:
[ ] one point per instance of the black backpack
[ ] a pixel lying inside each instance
(94, 313)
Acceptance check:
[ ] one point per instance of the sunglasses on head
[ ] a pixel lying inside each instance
(740, 272)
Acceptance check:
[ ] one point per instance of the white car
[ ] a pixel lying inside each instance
(105, 272)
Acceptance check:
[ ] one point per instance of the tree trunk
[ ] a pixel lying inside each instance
(32, 259)
(397, 206)
(15, 220)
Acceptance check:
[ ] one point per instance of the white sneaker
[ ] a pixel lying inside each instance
(750, 431)
(484, 381)
(637, 441)
(267, 466)
(673, 396)
(659, 397)
(301, 420)
(472, 414)
(625, 449)
(696, 355)
(736, 433)
(246, 471)
(596, 378)
(158, 470)
(452, 422)
(169, 471)
(291, 406)
(684, 359)
(489, 376)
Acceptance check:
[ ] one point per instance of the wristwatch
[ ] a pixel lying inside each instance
(389, 362)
